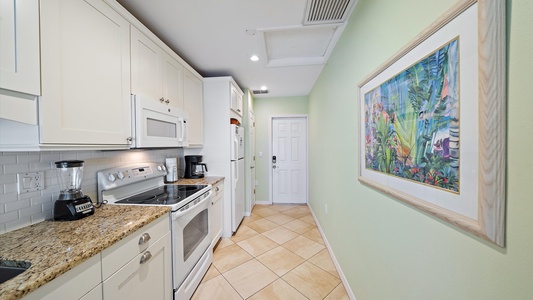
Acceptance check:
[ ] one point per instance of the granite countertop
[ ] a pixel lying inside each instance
(212, 180)
(54, 247)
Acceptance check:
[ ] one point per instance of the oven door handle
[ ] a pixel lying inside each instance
(178, 213)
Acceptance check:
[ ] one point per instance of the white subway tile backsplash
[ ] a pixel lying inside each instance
(24, 159)
(9, 178)
(41, 200)
(9, 216)
(8, 159)
(19, 223)
(14, 169)
(30, 211)
(22, 210)
(6, 198)
(17, 205)
(10, 188)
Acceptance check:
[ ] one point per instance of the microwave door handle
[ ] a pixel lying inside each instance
(182, 125)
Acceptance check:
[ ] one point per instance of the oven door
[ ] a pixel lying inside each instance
(157, 124)
(190, 238)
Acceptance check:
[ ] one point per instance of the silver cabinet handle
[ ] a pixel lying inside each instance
(161, 99)
(167, 101)
(274, 166)
(144, 238)
(217, 189)
(145, 257)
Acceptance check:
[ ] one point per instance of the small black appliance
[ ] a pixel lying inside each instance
(194, 168)
(71, 204)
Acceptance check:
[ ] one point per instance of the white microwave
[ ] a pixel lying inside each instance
(157, 125)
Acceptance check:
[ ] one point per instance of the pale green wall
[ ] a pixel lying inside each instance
(386, 249)
(264, 108)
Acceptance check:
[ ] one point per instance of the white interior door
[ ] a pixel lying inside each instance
(289, 160)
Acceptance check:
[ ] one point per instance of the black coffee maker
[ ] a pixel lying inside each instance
(194, 168)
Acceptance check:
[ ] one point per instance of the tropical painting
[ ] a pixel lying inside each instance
(412, 122)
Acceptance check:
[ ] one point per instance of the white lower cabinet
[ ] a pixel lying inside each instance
(84, 280)
(216, 213)
(147, 276)
(137, 267)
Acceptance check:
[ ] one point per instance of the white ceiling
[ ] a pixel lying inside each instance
(218, 37)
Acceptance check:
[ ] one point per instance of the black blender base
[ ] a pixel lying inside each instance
(69, 210)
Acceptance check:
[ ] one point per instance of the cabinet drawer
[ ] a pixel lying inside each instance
(144, 277)
(218, 189)
(116, 256)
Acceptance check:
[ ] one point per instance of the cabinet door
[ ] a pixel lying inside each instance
(172, 82)
(193, 98)
(151, 279)
(85, 74)
(19, 46)
(146, 73)
(236, 100)
(216, 213)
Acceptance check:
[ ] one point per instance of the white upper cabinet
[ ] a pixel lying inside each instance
(154, 73)
(236, 100)
(85, 52)
(19, 46)
(193, 98)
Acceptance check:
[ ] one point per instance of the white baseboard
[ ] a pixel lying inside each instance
(263, 202)
(339, 269)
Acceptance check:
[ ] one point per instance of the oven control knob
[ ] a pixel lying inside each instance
(111, 177)
(120, 175)
(160, 168)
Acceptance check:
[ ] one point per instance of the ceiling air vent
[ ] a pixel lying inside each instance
(327, 11)
(259, 92)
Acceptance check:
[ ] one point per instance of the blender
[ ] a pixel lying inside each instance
(71, 204)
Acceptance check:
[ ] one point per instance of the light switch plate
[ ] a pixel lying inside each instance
(30, 182)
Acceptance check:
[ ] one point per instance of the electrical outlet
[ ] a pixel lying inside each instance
(30, 182)
(326, 208)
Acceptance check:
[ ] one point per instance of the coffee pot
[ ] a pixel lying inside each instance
(194, 168)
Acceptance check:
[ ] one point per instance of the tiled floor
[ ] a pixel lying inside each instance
(277, 253)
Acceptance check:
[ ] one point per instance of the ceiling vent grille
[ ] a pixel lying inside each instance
(327, 11)
(259, 92)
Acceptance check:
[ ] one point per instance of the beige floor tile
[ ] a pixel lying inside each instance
(309, 219)
(278, 290)
(280, 260)
(296, 212)
(280, 219)
(257, 245)
(311, 281)
(250, 219)
(211, 273)
(216, 288)
(262, 225)
(229, 257)
(282, 207)
(303, 247)
(249, 278)
(280, 234)
(264, 211)
(243, 232)
(323, 260)
(223, 243)
(339, 293)
(314, 235)
(298, 226)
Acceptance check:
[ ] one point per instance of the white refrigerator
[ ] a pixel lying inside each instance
(237, 176)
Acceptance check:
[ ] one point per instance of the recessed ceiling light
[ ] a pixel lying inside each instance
(254, 58)
(264, 88)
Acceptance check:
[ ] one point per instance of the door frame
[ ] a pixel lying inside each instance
(270, 173)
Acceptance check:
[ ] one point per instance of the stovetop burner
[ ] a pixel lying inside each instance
(163, 195)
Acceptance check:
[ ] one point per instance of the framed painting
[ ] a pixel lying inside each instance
(432, 121)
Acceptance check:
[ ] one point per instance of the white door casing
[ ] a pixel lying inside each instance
(289, 159)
